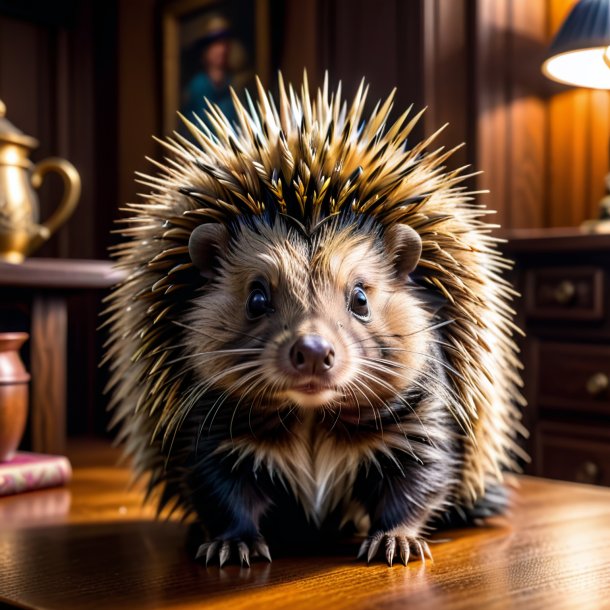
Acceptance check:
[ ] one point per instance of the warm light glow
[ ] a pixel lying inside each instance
(582, 68)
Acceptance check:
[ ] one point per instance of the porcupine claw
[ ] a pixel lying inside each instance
(407, 547)
(244, 553)
(223, 550)
(262, 549)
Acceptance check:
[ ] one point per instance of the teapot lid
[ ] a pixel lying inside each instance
(10, 133)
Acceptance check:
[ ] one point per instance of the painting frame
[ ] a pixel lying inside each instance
(172, 13)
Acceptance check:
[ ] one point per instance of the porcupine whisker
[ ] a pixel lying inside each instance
(273, 386)
(401, 399)
(375, 345)
(389, 336)
(236, 408)
(406, 350)
(243, 366)
(291, 410)
(336, 418)
(376, 362)
(358, 386)
(340, 405)
(231, 329)
(192, 329)
(215, 408)
(438, 361)
(349, 389)
(432, 327)
(282, 421)
(241, 386)
(195, 391)
(246, 393)
(167, 348)
(180, 373)
(379, 366)
(194, 399)
(257, 397)
(444, 344)
(395, 394)
(222, 352)
(373, 377)
(210, 336)
(195, 396)
(191, 396)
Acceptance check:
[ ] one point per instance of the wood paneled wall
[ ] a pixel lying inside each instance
(542, 147)
(475, 63)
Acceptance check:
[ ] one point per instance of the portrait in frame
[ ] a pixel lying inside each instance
(210, 46)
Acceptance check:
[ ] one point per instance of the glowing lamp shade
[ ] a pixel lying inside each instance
(580, 52)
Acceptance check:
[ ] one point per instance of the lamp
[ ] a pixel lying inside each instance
(580, 52)
(579, 55)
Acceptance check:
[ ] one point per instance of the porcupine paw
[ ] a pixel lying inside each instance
(392, 544)
(236, 548)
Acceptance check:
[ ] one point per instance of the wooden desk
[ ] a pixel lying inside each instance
(45, 285)
(564, 276)
(92, 546)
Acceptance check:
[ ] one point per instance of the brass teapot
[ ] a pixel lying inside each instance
(20, 230)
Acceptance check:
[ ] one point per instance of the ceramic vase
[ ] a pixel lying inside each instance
(13, 393)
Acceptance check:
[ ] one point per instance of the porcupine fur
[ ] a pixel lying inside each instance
(324, 205)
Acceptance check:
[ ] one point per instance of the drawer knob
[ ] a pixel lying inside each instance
(564, 292)
(597, 384)
(588, 472)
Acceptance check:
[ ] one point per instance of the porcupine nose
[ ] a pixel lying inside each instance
(312, 354)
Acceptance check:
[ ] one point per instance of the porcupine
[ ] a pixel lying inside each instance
(314, 332)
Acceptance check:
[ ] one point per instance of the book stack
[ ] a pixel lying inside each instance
(27, 471)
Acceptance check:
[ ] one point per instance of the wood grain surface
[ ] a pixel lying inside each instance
(64, 274)
(92, 545)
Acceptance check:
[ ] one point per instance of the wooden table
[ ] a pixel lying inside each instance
(92, 545)
(45, 284)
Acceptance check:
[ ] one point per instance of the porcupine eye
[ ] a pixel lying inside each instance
(258, 303)
(359, 304)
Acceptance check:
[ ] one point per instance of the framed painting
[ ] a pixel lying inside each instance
(208, 47)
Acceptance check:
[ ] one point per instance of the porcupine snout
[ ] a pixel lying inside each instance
(312, 355)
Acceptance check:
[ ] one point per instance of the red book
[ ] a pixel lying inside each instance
(29, 471)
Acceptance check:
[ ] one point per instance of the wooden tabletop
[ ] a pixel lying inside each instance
(92, 545)
(63, 274)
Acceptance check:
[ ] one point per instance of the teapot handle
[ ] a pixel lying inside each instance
(72, 190)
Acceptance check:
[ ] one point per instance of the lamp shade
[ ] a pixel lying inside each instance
(580, 54)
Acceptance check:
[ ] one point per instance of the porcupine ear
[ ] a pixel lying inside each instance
(205, 242)
(404, 245)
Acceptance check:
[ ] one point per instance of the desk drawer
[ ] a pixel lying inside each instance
(574, 377)
(567, 293)
(574, 453)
